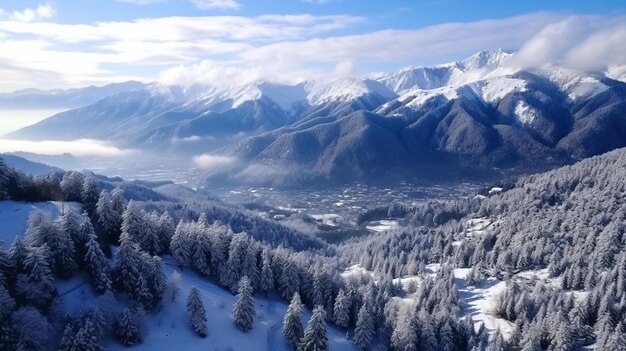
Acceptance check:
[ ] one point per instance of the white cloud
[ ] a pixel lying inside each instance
(581, 42)
(213, 162)
(217, 4)
(41, 12)
(78, 148)
(140, 2)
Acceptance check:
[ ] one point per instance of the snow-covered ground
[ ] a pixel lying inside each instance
(168, 328)
(384, 225)
(14, 214)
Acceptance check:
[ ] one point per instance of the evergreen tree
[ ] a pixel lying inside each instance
(289, 281)
(341, 310)
(90, 194)
(179, 247)
(243, 310)
(126, 328)
(106, 217)
(36, 285)
(72, 186)
(196, 312)
(127, 270)
(267, 274)
(315, 338)
(364, 330)
(165, 231)
(97, 266)
(292, 323)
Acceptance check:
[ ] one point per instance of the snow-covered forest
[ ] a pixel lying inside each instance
(538, 264)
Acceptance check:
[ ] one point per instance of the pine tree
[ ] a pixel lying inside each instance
(315, 338)
(127, 270)
(90, 194)
(289, 280)
(179, 247)
(341, 311)
(201, 253)
(267, 274)
(364, 330)
(497, 342)
(118, 205)
(617, 341)
(127, 328)
(106, 217)
(36, 286)
(97, 266)
(292, 323)
(243, 310)
(196, 312)
(72, 186)
(156, 279)
(165, 231)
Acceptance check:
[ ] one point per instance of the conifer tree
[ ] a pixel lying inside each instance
(267, 274)
(196, 312)
(89, 195)
(97, 266)
(292, 323)
(315, 338)
(244, 310)
(341, 311)
(126, 328)
(364, 330)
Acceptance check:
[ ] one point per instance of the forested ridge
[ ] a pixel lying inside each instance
(569, 222)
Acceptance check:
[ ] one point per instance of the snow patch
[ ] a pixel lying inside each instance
(525, 113)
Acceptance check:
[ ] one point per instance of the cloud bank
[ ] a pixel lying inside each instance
(213, 162)
(35, 51)
(78, 148)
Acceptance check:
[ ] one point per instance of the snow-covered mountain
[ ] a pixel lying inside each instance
(59, 98)
(483, 110)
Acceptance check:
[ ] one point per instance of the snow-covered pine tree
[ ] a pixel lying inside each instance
(36, 285)
(97, 266)
(133, 223)
(106, 217)
(244, 310)
(90, 194)
(70, 224)
(267, 274)
(365, 329)
(32, 329)
(127, 269)
(118, 205)
(196, 312)
(156, 279)
(126, 328)
(72, 186)
(315, 338)
(201, 252)
(179, 246)
(341, 310)
(289, 280)
(233, 270)
(292, 323)
(62, 249)
(165, 231)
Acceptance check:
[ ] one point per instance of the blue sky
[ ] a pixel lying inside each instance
(62, 43)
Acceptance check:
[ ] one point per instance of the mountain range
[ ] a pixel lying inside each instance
(475, 114)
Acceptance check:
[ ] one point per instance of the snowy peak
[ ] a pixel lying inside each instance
(344, 90)
(475, 67)
(486, 59)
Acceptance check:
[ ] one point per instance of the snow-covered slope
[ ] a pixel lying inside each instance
(14, 214)
(169, 327)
